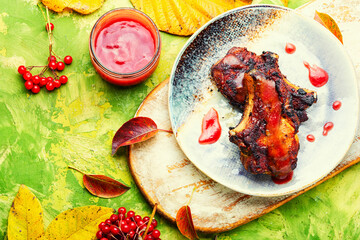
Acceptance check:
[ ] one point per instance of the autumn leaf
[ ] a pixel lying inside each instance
(26, 217)
(135, 130)
(329, 23)
(77, 223)
(185, 223)
(184, 17)
(102, 186)
(81, 6)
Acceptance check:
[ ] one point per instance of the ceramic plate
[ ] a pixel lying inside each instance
(263, 28)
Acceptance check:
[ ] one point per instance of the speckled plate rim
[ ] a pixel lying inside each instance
(172, 77)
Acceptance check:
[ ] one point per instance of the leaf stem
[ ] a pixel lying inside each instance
(74, 168)
(150, 220)
(192, 194)
(168, 131)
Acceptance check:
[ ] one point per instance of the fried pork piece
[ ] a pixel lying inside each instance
(273, 109)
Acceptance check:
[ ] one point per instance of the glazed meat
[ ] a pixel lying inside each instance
(273, 109)
(228, 74)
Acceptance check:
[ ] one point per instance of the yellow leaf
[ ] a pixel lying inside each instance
(77, 223)
(81, 6)
(329, 23)
(26, 217)
(184, 17)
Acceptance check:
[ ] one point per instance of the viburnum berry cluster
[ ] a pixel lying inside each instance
(55, 64)
(127, 226)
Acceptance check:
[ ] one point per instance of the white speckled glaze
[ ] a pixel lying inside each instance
(263, 28)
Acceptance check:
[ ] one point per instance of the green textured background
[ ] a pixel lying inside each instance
(40, 135)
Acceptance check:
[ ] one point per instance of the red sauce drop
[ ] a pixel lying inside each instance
(310, 138)
(282, 180)
(336, 105)
(210, 128)
(327, 127)
(317, 76)
(125, 46)
(290, 48)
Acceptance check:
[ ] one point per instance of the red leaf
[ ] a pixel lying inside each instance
(329, 23)
(135, 130)
(103, 186)
(185, 223)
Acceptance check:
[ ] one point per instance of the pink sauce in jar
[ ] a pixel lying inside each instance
(124, 46)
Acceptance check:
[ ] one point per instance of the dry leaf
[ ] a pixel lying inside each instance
(185, 223)
(135, 130)
(184, 17)
(329, 23)
(102, 186)
(81, 6)
(78, 223)
(26, 217)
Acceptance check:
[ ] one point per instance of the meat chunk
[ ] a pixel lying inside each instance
(272, 107)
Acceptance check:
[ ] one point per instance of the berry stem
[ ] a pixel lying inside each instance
(151, 218)
(74, 168)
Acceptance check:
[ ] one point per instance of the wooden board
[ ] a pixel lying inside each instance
(165, 176)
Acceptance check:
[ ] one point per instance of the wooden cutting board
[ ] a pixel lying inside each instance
(165, 176)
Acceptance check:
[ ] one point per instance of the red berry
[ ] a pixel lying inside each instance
(60, 66)
(22, 69)
(106, 229)
(154, 222)
(137, 218)
(132, 226)
(43, 81)
(130, 214)
(57, 83)
(50, 86)
(49, 79)
(104, 239)
(29, 85)
(35, 79)
(35, 89)
(151, 227)
(148, 237)
(114, 230)
(52, 65)
(101, 225)
(142, 227)
(51, 26)
(128, 220)
(121, 216)
(140, 223)
(125, 228)
(68, 60)
(108, 221)
(121, 210)
(146, 219)
(27, 76)
(99, 234)
(131, 234)
(123, 222)
(52, 59)
(113, 218)
(156, 233)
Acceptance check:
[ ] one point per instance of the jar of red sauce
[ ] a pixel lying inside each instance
(125, 46)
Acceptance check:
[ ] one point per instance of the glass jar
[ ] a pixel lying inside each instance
(118, 78)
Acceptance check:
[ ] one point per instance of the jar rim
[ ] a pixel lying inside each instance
(149, 64)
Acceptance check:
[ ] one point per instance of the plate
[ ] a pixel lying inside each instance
(263, 28)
